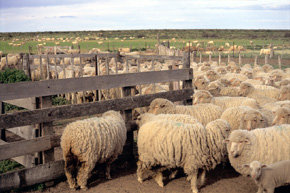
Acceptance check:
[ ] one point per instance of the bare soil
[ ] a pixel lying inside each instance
(223, 179)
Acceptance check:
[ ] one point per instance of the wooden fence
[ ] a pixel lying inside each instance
(46, 114)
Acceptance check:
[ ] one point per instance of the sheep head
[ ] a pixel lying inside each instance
(201, 82)
(255, 168)
(284, 93)
(236, 142)
(215, 87)
(159, 105)
(251, 120)
(282, 116)
(202, 96)
(212, 75)
(245, 89)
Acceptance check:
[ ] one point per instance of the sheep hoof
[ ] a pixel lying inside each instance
(84, 188)
(108, 177)
(140, 180)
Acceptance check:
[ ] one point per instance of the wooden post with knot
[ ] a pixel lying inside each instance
(186, 84)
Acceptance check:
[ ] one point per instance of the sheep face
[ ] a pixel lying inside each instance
(221, 70)
(236, 143)
(201, 83)
(255, 169)
(285, 93)
(236, 148)
(158, 106)
(249, 74)
(252, 120)
(202, 97)
(282, 116)
(245, 89)
(212, 75)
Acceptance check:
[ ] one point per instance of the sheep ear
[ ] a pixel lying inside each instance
(226, 141)
(247, 142)
(245, 165)
(264, 166)
(162, 105)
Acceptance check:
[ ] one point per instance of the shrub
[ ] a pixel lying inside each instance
(13, 75)
(59, 101)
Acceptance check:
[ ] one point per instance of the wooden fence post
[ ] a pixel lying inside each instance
(266, 58)
(220, 58)
(97, 72)
(279, 61)
(209, 57)
(129, 145)
(240, 59)
(46, 129)
(3, 132)
(256, 60)
(187, 83)
(229, 59)
(200, 57)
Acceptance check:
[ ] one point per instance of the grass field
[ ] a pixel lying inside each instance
(144, 39)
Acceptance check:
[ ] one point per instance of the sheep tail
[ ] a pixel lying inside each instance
(72, 163)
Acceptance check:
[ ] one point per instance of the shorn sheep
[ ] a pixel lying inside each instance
(161, 144)
(204, 113)
(267, 145)
(203, 96)
(268, 177)
(90, 141)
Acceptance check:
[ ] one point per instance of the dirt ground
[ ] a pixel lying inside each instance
(224, 179)
(221, 180)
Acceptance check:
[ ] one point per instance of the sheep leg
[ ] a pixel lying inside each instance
(260, 189)
(193, 182)
(71, 181)
(108, 170)
(159, 179)
(83, 174)
(201, 179)
(270, 190)
(173, 174)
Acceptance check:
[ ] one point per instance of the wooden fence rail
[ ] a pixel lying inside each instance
(53, 87)
(70, 111)
(47, 114)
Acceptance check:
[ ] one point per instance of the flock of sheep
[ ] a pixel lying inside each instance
(239, 115)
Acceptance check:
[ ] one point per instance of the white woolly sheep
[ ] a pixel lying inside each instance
(267, 145)
(268, 177)
(243, 117)
(284, 93)
(203, 96)
(204, 113)
(90, 141)
(262, 96)
(146, 117)
(282, 116)
(204, 148)
(201, 82)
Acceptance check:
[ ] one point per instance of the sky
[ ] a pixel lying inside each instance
(86, 15)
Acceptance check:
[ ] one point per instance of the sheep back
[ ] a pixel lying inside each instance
(267, 145)
(97, 138)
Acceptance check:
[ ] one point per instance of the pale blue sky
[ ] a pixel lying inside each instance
(79, 15)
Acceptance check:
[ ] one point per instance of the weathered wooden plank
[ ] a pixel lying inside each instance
(14, 149)
(53, 87)
(78, 110)
(31, 176)
(155, 57)
(27, 103)
(74, 55)
(27, 160)
(26, 132)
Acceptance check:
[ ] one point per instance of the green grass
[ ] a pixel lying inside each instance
(147, 39)
(7, 165)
